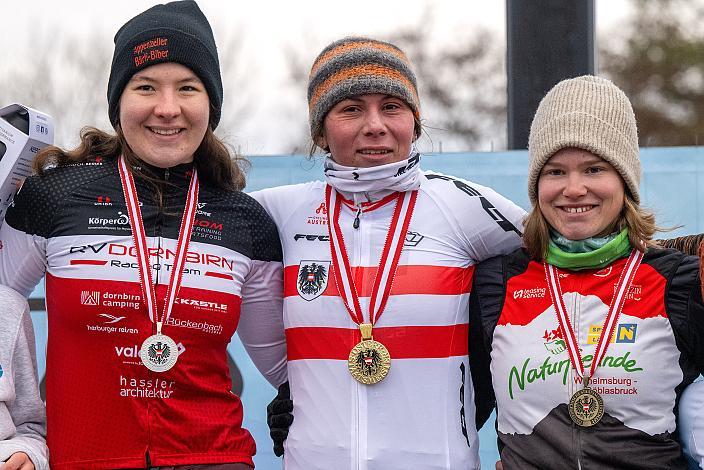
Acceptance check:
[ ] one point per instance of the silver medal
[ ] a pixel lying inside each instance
(159, 353)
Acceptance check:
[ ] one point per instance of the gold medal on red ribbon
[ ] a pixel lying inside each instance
(586, 407)
(369, 361)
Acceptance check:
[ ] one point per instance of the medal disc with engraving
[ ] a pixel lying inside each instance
(586, 407)
(159, 353)
(369, 362)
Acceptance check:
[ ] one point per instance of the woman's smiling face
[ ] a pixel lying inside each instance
(368, 130)
(164, 114)
(580, 194)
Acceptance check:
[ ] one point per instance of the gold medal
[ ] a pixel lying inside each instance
(369, 360)
(586, 407)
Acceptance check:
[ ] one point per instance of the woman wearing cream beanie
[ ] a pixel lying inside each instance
(592, 331)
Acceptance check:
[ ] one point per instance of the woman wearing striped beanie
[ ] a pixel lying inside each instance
(378, 261)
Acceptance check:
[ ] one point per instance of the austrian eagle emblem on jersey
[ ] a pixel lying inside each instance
(312, 278)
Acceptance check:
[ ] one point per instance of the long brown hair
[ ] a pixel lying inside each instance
(217, 165)
(639, 221)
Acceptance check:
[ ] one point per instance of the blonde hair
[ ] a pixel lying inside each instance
(639, 221)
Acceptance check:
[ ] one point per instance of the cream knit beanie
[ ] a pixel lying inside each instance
(589, 113)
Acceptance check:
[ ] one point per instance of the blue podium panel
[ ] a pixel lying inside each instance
(672, 185)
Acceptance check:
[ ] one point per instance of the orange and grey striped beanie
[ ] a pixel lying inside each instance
(356, 66)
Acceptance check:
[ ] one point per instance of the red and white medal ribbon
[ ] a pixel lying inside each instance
(607, 330)
(396, 236)
(141, 249)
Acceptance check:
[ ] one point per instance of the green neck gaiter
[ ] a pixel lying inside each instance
(591, 253)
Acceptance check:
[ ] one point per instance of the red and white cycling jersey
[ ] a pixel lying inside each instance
(105, 409)
(422, 414)
(654, 352)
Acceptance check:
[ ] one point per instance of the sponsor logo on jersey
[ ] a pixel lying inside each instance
(311, 238)
(90, 297)
(203, 326)
(146, 388)
(109, 324)
(120, 222)
(413, 161)
(530, 371)
(127, 351)
(321, 216)
(123, 250)
(202, 304)
(412, 239)
(110, 319)
(625, 333)
(203, 223)
(103, 201)
(604, 272)
(200, 211)
(487, 205)
(553, 341)
(312, 278)
(94, 162)
(532, 293)
(634, 292)
(110, 299)
(132, 353)
(205, 228)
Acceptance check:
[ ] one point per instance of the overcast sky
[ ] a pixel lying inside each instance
(265, 27)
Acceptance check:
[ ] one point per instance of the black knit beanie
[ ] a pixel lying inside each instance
(173, 32)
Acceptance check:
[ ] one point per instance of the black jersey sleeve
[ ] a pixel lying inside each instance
(265, 242)
(484, 308)
(34, 206)
(685, 308)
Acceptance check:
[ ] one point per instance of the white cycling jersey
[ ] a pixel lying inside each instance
(422, 414)
(691, 425)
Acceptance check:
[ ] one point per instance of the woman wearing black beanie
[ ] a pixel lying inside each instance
(153, 258)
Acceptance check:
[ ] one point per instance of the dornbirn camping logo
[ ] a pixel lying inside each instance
(90, 297)
(312, 278)
(554, 342)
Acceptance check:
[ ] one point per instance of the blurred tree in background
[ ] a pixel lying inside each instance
(462, 86)
(660, 65)
(656, 56)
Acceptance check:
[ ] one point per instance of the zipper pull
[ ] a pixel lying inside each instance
(355, 224)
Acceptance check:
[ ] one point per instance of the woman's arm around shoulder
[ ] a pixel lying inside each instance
(261, 326)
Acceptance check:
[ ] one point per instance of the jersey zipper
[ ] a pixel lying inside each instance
(360, 238)
(355, 224)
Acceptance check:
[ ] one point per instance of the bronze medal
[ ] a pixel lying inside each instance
(369, 360)
(586, 407)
